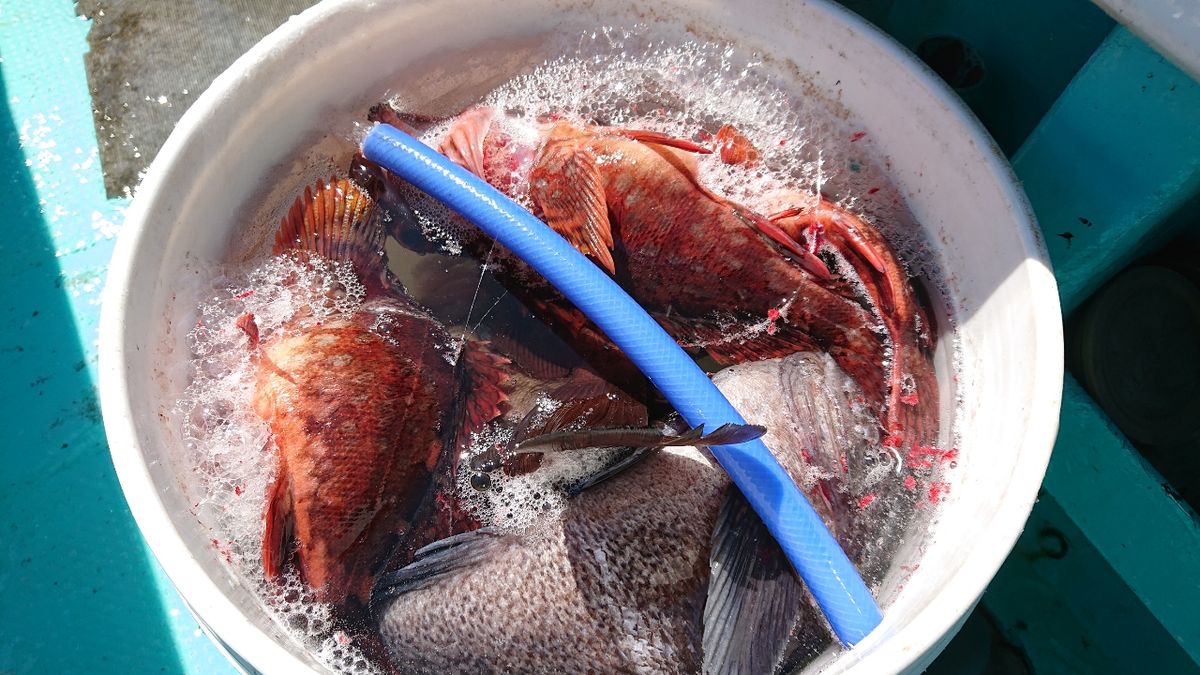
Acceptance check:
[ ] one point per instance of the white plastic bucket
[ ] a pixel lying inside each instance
(337, 55)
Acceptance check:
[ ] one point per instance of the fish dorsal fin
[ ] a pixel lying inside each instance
(568, 188)
(337, 221)
(754, 600)
(484, 374)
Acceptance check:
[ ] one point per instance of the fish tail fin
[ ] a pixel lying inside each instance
(754, 601)
(338, 221)
(734, 147)
(277, 540)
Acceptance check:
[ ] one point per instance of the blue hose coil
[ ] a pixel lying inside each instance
(812, 550)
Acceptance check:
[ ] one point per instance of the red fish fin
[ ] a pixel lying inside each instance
(585, 399)
(657, 138)
(805, 258)
(248, 325)
(485, 375)
(734, 147)
(538, 364)
(567, 186)
(463, 144)
(715, 341)
(338, 221)
(277, 540)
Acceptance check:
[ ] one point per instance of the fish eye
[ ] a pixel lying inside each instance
(481, 481)
(486, 462)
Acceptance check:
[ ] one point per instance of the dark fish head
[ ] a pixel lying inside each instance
(399, 220)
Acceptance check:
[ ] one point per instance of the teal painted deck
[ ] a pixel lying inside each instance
(81, 591)
(1104, 133)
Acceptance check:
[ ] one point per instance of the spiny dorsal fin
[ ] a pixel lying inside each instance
(338, 221)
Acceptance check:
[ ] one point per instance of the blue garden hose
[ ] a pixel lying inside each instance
(812, 550)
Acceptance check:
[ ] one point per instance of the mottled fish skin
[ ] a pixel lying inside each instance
(616, 586)
(620, 582)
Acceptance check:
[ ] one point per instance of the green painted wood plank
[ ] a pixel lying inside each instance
(1117, 154)
(1129, 514)
(1069, 611)
(1115, 157)
(81, 592)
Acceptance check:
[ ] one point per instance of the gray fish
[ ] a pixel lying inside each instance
(661, 569)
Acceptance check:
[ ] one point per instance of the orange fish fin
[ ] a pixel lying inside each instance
(567, 186)
(277, 540)
(805, 258)
(714, 340)
(734, 147)
(338, 221)
(484, 375)
(657, 138)
(248, 325)
(463, 144)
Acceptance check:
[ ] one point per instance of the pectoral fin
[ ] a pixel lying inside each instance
(734, 147)
(725, 434)
(437, 561)
(277, 539)
(567, 186)
(754, 598)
